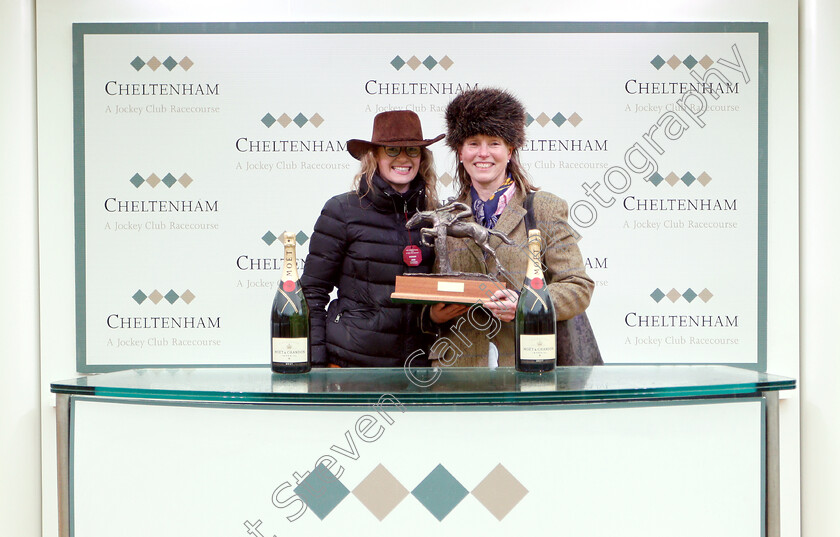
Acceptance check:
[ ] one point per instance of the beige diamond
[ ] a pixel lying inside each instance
(704, 179)
(674, 62)
(499, 492)
(155, 296)
(187, 296)
(153, 180)
(316, 120)
(185, 180)
(673, 295)
(574, 119)
(446, 179)
(672, 179)
(543, 119)
(706, 62)
(380, 492)
(186, 63)
(284, 120)
(446, 62)
(153, 63)
(414, 63)
(705, 295)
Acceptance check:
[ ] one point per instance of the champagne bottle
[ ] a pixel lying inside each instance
(536, 324)
(290, 346)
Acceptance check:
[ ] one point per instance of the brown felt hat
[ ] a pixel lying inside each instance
(398, 128)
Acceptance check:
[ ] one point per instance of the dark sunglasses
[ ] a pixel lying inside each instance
(395, 151)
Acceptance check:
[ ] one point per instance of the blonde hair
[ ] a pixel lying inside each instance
(514, 169)
(368, 166)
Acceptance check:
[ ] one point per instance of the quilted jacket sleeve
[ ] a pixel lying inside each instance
(321, 271)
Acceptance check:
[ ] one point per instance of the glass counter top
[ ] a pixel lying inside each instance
(428, 386)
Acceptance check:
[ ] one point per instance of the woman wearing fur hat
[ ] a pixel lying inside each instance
(486, 128)
(360, 244)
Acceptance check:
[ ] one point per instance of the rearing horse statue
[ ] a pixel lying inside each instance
(452, 220)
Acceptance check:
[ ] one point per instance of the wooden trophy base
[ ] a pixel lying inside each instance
(454, 289)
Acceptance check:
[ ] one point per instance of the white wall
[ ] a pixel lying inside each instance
(20, 406)
(20, 435)
(820, 320)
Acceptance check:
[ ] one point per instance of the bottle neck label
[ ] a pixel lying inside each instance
(290, 274)
(534, 273)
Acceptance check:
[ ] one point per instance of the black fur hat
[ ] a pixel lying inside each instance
(488, 111)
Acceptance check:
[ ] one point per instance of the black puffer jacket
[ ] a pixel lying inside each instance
(357, 246)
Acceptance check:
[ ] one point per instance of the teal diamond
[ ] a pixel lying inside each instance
(657, 62)
(657, 295)
(689, 294)
(301, 237)
(137, 180)
(300, 120)
(269, 238)
(439, 492)
(689, 61)
(656, 179)
(171, 296)
(430, 63)
(169, 180)
(321, 491)
(137, 63)
(268, 120)
(139, 296)
(687, 178)
(397, 62)
(558, 119)
(170, 63)
(528, 119)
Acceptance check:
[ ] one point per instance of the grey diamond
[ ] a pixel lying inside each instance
(321, 491)
(687, 178)
(689, 61)
(268, 120)
(439, 492)
(171, 296)
(169, 180)
(397, 62)
(689, 295)
(657, 61)
(656, 179)
(430, 63)
(137, 63)
(170, 63)
(558, 119)
(301, 237)
(528, 119)
(269, 238)
(139, 296)
(300, 120)
(657, 295)
(137, 180)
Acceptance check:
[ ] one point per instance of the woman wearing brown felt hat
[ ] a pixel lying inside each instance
(360, 245)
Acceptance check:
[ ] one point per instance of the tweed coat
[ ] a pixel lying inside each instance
(466, 337)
